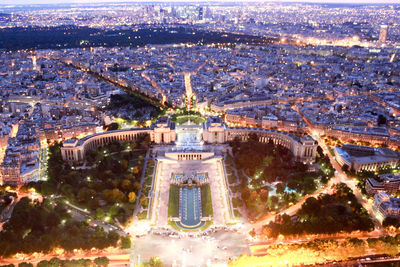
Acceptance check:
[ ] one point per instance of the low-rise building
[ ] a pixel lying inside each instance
(363, 158)
(21, 160)
(385, 206)
(388, 183)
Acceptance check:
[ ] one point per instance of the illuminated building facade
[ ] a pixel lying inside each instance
(388, 183)
(383, 34)
(214, 131)
(385, 206)
(363, 158)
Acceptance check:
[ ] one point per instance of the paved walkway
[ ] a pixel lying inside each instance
(146, 160)
(219, 191)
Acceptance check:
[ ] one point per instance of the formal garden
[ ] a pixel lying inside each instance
(269, 178)
(206, 202)
(206, 206)
(46, 226)
(173, 202)
(234, 185)
(74, 198)
(183, 116)
(106, 187)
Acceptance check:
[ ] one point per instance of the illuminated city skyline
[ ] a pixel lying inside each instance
(31, 2)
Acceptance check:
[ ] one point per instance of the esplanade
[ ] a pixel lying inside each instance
(213, 131)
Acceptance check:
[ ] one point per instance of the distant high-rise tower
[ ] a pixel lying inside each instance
(34, 65)
(173, 12)
(201, 13)
(383, 34)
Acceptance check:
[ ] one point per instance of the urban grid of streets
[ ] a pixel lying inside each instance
(320, 62)
(222, 245)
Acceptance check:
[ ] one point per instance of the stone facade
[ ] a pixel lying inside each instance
(214, 131)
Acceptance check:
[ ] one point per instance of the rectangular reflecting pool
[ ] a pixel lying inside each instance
(190, 206)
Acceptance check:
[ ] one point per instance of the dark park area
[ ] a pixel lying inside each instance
(62, 37)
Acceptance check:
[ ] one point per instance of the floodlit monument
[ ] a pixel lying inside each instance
(190, 188)
(189, 137)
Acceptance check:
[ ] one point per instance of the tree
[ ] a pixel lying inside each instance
(124, 164)
(153, 262)
(253, 196)
(345, 168)
(82, 194)
(129, 177)
(274, 199)
(113, 126)
(101, 261)
(47, 189)
(264, 195)
(68, 191)
(113, 196)
(52, 219)
(126, 185)
(125, 242)
(245, 193)
(43, 263)
(320, 151)
(381, 120)
(100, 213)
(391, 221)
(136, 186)
(280, 188)
(143, 200)
(113, 238)
(135, 170)
(25, 264)
(310, 207)
(132, 197)
(55, 262)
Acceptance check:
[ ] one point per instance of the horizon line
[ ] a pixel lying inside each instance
(14, 3)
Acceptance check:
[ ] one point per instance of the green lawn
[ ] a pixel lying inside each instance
(173, 203)
(148, 179)
(142, 215)
(237, 213)
(193, 118)
(150, 167)
(206, 203)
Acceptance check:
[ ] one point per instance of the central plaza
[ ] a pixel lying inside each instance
(191, 238)
(186, 160)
